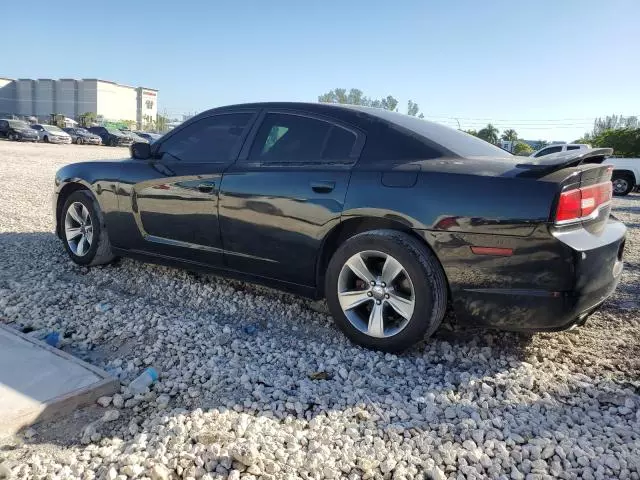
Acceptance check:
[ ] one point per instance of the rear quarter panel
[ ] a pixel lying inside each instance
(452, 211)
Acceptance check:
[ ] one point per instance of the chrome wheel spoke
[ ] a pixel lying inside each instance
(391, 269)
(359, 268)
(89, 234)
(352, 299)
(403, 306)
(81, 246)
(375, 327)
(73, 212)
(72, 233)
(85, 214)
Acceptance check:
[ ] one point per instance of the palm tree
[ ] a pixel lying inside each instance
(489, 134)
(509, 135)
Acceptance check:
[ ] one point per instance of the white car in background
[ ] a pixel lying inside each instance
(51, 134)
(558, 148)
(626, 174)
(626, 171)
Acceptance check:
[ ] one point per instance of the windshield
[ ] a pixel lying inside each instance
(18, 124)
(114, 131)
(52, 128)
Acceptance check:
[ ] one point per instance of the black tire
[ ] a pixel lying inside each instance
(79, 141)
(623, 183)
(99, 252)
(46, 139)
(113, 142)
(11, 137)
(425, 273)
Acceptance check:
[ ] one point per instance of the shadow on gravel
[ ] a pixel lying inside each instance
(461, 380)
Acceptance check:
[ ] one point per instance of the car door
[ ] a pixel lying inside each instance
(172, 198)
(39, 130)
(285, 193)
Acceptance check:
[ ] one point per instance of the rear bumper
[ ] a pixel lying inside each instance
(545, 286)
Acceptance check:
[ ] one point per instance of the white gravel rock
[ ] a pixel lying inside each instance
(291, 397)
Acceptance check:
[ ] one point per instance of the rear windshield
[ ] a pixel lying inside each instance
(458, 142)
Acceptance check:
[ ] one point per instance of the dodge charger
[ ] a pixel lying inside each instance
(393, 219)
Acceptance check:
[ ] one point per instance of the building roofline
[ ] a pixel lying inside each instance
(109, 81)
(147, 88)
(7, 78)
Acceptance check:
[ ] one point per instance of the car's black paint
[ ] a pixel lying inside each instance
(279, 224)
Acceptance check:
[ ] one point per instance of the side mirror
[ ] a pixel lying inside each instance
(140, 150)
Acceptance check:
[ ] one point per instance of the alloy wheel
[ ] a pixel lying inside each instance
(376, 294)
(78, 229)
(620, 185)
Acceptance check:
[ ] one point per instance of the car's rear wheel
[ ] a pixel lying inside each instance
(623, 183)
(112, 142)
(46, 139)
(12, 136)
(386, 290)
(84, 232)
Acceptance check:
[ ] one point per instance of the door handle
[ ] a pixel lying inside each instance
(206, 187)
(323, 187)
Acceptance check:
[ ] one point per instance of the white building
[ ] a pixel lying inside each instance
(71, 98)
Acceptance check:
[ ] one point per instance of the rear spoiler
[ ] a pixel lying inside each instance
(557, 161)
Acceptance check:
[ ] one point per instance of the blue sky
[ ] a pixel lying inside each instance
(543, 67)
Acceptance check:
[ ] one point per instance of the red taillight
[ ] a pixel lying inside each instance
(581, 202)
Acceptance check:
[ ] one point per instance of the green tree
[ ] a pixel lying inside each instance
(624, 141)
(489, 134)
(161, 122)
(471, 132)
(613, 122)
(509, 135)
(87, 119)
(541, 144)
(522, 149)
(355, 97)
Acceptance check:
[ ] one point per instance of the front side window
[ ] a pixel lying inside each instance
(288, 138)
(212, 139)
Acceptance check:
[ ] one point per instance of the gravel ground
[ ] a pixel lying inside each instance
(259, 384)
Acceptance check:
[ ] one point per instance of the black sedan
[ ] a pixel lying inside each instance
(111, 136)
(82, 136)
(391, 218)
(17, 130)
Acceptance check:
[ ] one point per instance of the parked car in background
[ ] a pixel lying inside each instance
(151, 137)
(111, 136)
(362, 206)
(134, 136)
(17, 130)
(559, 148)
(82, 136)
(626, 174)
(51, 134)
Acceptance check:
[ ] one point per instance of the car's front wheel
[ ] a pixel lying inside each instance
(386, 290)
(79, 141)
(84, 232)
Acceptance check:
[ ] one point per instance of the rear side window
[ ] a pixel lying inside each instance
(288, 138)
(574, 147)
(212, 139)
(389, 143)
